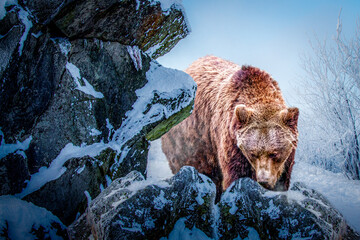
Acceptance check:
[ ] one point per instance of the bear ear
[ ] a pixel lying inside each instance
(243, 114)
(290, 117)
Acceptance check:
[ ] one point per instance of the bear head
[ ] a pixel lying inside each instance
(266, 137)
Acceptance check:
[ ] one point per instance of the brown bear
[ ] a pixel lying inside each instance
(240, 127)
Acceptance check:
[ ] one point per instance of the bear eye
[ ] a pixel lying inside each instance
(273, 155)
(253, 156)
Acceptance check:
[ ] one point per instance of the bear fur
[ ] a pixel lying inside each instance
(240, 127)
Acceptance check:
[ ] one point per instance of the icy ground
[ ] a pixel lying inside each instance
(342, 193)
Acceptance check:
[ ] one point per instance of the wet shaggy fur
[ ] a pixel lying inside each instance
(207, 139)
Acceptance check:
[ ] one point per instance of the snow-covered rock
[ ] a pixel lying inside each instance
(300, 213)
(152, 25)
(23, 220)
(184, 206)
(132, 208)
(86, 109)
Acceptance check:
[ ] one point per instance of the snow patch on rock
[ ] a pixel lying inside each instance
(272, 211)
(20, 218)
(3, 4)
(157, 165)
(18, 147)
(24, 17)
(64, 45)
(56, 168)
(88, 88)
(95, 132)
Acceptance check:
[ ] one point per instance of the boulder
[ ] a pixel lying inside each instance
(77, 112)
(184, 207)
(107, 126)
(247, 209)
(148, 24)
(132, 208)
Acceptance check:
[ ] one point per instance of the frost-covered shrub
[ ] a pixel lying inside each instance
(330, 129)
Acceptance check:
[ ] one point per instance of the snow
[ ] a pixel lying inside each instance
(88, 88)
(167, 80)
(135, 55)
(88, 197)
(64, 45)
(37, 35)
(158, 166)
(166, 4)
(153, 49)
(342, 193)
(80, 169)
(230, 198)
(6, 3)
(56, 168)
(160, 201)
(18, 147)
(181, 232)
(138, 185)
(108, 180)
(24, 17)
(137, 4)
(273, 211)
(21, 216)
(95, 132)
(136, 227)
(205, 186)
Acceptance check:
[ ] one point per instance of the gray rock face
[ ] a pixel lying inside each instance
(79, 109)
(11, 31)
(183, 206)
(131, 22)
(13, 173)
(43, 11)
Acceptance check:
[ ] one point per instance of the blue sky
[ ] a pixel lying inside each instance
(269, 34)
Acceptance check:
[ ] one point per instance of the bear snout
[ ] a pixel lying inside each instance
(263, 175)
(265, 178)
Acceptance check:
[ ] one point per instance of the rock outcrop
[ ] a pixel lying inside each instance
(80, 102)
(153, 26)
(184, 206)
(81, 96)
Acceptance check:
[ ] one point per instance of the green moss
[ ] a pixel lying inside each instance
(107, 157)
(167, 124)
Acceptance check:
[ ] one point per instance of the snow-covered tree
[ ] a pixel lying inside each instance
(331, 125)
